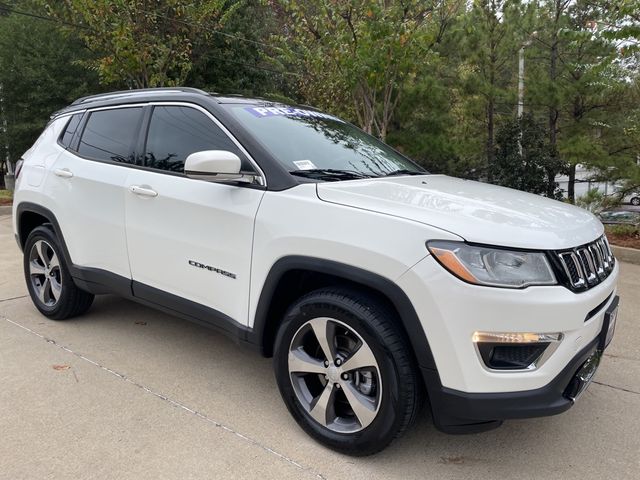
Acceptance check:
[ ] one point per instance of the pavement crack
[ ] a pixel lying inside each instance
(173, 402)
(616, 388)
(622, 357)
(13, 298)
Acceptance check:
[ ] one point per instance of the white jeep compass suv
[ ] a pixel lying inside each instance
(371, 282)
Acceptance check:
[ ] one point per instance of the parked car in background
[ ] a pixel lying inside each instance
(620, 217)
(633, 198)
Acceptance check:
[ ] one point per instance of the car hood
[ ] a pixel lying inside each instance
(475, 211)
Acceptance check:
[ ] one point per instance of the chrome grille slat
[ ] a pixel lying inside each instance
(587, 265)
(588, 262)
(597, 253)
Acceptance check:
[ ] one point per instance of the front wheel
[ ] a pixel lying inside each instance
(344, 370)
(635, 201)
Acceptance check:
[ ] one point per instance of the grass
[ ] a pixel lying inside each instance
(6, 197)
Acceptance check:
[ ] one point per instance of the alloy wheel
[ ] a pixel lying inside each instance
(44, 273)
(335, 375)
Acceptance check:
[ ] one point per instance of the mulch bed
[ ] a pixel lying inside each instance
(623, 238)
(630, 242)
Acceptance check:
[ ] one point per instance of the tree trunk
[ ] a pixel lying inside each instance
(571, 186)
(553, 109)
(490, 138)
(551, 183)
(491, 112)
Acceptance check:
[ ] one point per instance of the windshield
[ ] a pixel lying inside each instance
(307, 142)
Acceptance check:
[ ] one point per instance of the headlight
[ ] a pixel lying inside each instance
(493, 266)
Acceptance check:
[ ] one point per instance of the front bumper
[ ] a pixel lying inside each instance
(451, 311)
(459, 412)
(465, 396)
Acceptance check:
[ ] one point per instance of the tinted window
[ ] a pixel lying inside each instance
(176, 132)
(111, 135)
(72, 126)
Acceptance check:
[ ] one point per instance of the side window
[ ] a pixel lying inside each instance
(111, 135)
(70, 130)
(175, 132)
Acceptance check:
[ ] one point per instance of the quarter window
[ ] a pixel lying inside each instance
(70, 130)
(111, 135)
(176, 132)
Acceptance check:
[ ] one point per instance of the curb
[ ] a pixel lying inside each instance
(625, 254)
(5, 209)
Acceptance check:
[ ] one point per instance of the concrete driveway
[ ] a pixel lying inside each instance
(127, 392)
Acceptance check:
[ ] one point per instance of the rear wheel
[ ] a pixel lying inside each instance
(635, 201)
(344, 371)
(48, 279)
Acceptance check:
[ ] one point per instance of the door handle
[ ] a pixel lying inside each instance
(142, 191)
(63, 172)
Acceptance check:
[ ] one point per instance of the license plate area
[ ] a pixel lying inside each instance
(609, 324)
(587, 370)
(583, 376)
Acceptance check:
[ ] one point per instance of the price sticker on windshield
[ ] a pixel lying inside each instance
(304, 164)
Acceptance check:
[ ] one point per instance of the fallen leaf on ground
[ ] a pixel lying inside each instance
(60, 367)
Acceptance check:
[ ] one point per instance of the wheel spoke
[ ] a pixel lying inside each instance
(43, 290)
(320, 409)
(54, 262)
(41, 249)
(56, 289)
(301, 361)
(35, 268)
(363, 357)
(325, 333)
(363, 406)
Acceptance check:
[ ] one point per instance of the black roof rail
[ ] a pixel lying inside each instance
(135, 92)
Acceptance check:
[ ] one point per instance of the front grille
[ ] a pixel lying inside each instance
(587, 265)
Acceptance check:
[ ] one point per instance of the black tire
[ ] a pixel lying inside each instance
(377, 325)
(71, 300)
(635, 201)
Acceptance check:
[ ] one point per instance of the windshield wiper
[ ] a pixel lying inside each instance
(403, 171)
(330, 173)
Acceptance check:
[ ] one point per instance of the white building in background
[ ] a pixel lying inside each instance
(584, 183)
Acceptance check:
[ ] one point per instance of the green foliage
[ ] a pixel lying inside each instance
(595, 201)
(139, 43)
(242, 63)
(490, 43)
(625, 231)
(361, 55)
(422, 125)
(438, 79)
(39, 73)
(523, 156)
(625, 26)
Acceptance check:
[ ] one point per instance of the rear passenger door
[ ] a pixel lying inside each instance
(189, 238)
(87, 184)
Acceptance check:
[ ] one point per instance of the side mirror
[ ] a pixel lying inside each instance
(216, 166)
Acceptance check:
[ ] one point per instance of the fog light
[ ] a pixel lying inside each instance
(514, 337)
(515, 351)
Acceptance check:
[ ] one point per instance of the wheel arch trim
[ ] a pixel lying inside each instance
(28, 207)
(391, 291)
